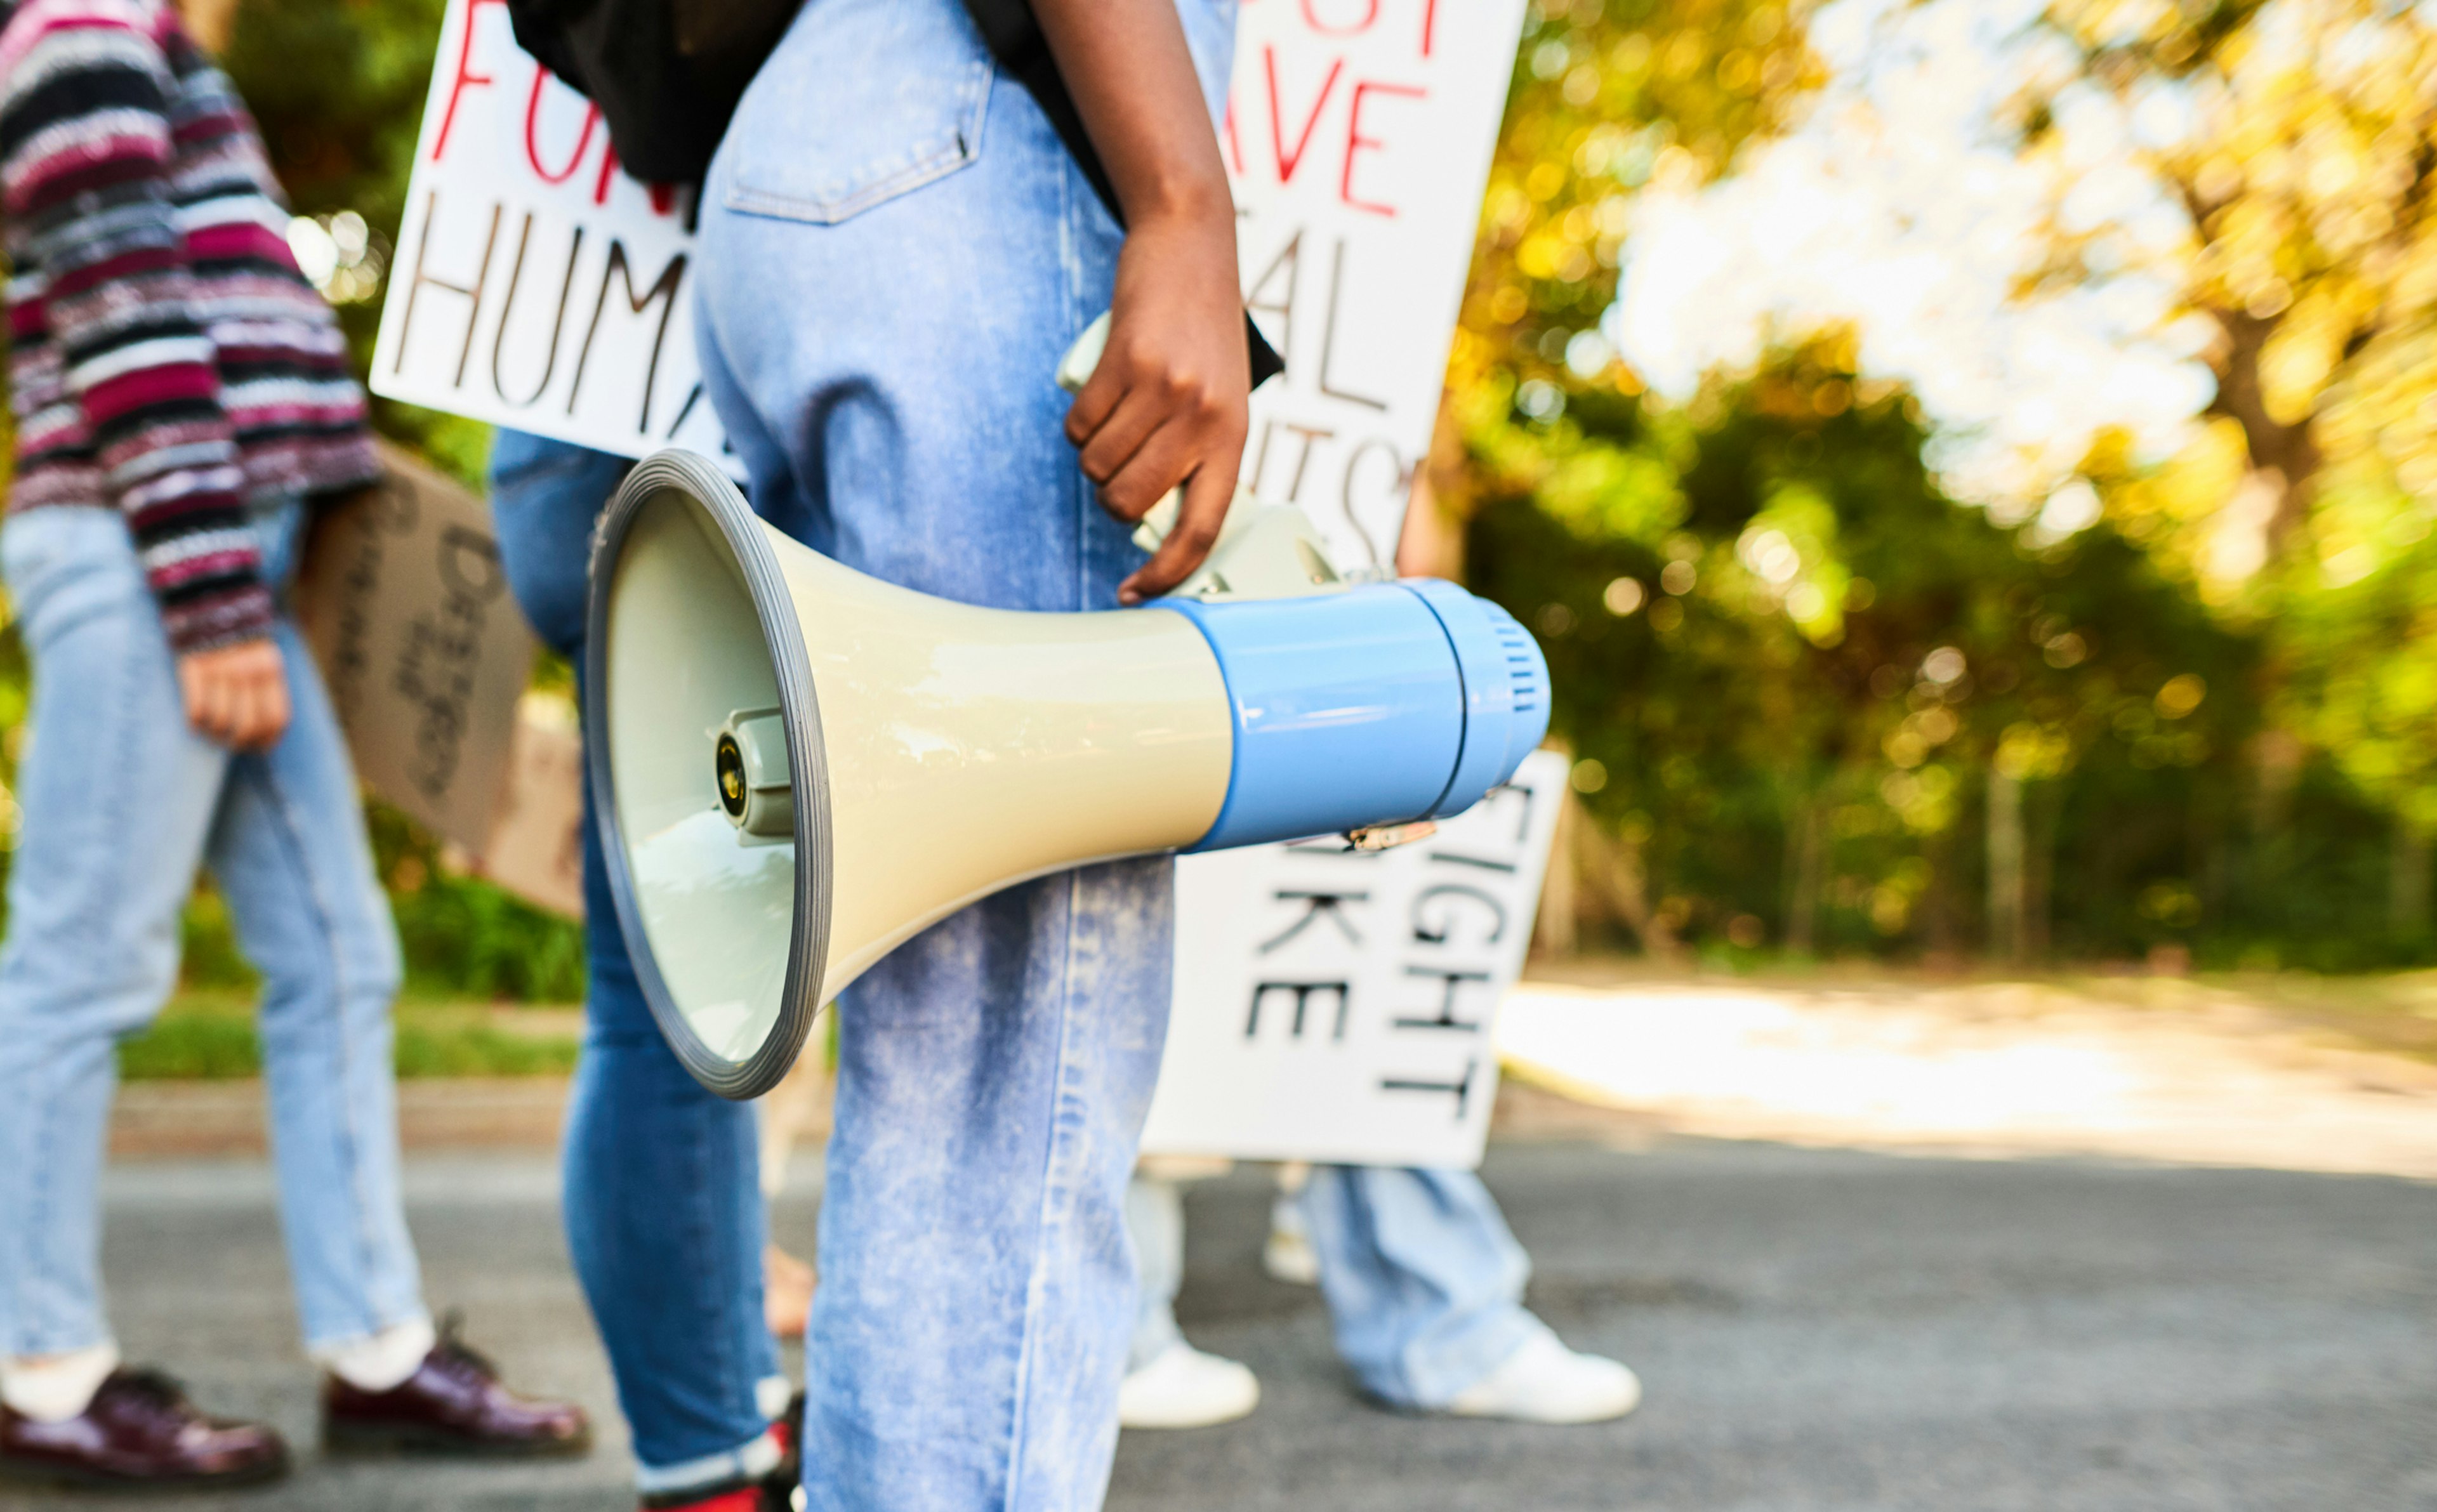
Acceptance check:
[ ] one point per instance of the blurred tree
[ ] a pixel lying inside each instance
(2299, 137)
(1783, 652)
(1813, 699)
(1608, 96)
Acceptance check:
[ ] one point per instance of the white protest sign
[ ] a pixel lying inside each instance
(534, 284)
(1337, 1005)
(1358, 135)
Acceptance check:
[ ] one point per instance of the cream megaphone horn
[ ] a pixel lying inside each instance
(797, 767)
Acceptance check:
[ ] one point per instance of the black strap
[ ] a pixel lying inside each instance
(1015, 40)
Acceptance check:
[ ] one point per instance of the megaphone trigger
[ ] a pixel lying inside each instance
(797, 767)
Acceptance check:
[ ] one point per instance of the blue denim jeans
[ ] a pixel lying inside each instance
(895, 250)
(1423, 1280)
(663, 1208)
(121, 802)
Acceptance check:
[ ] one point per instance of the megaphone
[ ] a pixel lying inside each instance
(797, 767)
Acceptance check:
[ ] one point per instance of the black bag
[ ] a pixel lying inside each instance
(668, 74)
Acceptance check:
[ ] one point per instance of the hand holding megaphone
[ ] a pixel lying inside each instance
(797, 767)
(1144, 423)
(1262, 550)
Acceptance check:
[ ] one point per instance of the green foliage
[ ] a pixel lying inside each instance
(463, 937)
(428, 1047)
(1765, 623)
(208, 1044)
(211, 1037)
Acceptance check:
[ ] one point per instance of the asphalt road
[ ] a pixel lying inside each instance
(1816, 1330)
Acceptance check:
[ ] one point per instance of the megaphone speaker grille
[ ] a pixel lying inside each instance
(732, 919)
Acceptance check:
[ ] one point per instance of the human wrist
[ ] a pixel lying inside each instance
(1181, 201)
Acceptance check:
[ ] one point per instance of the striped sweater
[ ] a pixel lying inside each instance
(166, 358)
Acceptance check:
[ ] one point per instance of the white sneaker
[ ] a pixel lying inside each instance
(1546, 1383)
(1289, 1257)
(1185, 1388)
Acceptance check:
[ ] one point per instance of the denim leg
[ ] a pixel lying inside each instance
(117, 796)
(1423, 1280)
(545, 497)
(896, 250)
(976, 1286)
(665, 1222)
(1155, 1223)
(662, 1201)
(289, 853)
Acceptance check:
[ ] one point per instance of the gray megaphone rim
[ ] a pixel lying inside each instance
(701, 481)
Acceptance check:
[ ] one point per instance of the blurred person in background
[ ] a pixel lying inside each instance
(662, 1198)
(1424, 1286)
(179, 391)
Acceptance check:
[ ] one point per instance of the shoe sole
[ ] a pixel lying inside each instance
(361, 1441)
(58, 1477)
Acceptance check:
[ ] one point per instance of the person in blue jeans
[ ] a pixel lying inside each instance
(122, 800)
(662, 1201)
(1424, 1283)
(896, 250)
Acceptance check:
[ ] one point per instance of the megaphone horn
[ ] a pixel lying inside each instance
(797, 767)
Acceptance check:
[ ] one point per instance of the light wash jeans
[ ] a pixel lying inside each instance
(1424, 1279)
(121, 801)
(662, 1200)
(896, 250)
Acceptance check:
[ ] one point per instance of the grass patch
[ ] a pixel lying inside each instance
(206, 1035)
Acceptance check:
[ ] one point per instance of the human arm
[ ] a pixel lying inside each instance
(1169, 401)
(85, 168)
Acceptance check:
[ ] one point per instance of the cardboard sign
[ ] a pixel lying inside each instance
(402, 598)
(1358, 136)
(1338, 1005)
(536, 285)
(536, 848)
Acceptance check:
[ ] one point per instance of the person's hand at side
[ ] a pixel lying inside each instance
(236, 695)
(1168, 404)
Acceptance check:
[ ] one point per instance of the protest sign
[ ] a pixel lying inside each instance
(536, 848)
(1334, 1004)
(403, 600)
(1358, 135)
(536, 285)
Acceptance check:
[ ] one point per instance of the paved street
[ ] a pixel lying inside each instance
(1818, 1329)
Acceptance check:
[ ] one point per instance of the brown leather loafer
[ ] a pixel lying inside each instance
(140, 1430)
(452, 1404)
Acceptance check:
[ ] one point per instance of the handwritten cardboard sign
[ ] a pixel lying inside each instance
(1337, 1005)
(536, 285)
(403, 600)
(535, 848)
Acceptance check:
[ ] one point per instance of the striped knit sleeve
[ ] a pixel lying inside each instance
(85, 170)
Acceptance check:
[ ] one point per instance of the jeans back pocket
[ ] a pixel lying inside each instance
(864, 100)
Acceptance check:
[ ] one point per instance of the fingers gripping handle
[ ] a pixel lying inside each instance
(1263, 551)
